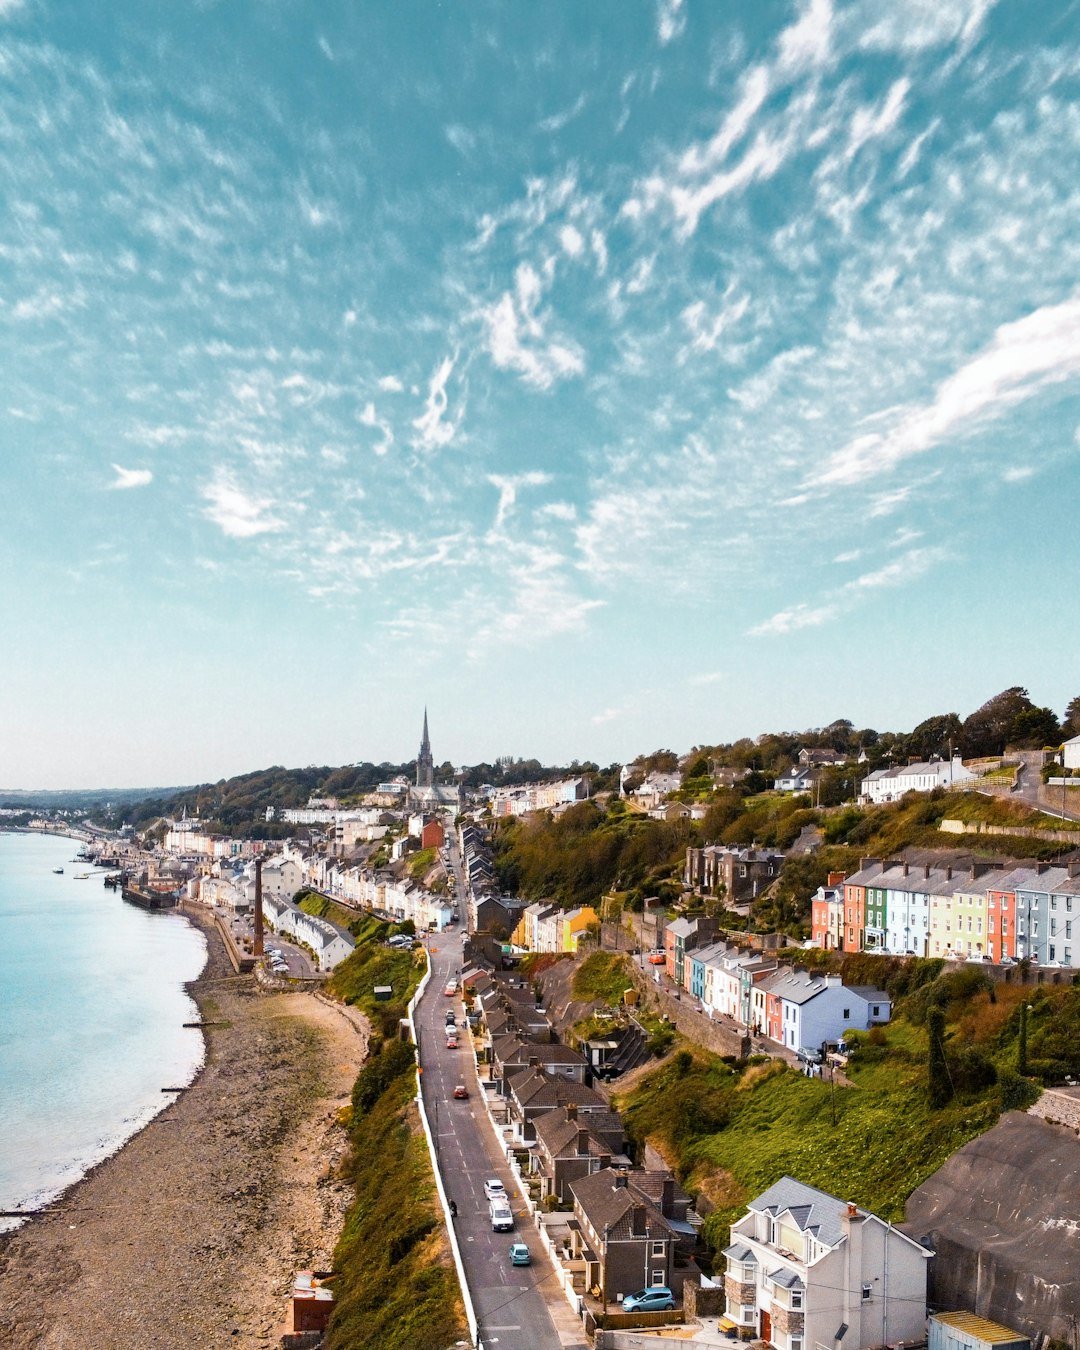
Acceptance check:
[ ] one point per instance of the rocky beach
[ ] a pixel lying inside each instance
(189, 1236)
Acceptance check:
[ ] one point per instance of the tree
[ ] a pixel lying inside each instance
(934, 735)
(1033, 728)
(1071, 725)
(986, 731)
(938, 1085)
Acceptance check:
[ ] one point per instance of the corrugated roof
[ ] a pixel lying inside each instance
(979, 1327)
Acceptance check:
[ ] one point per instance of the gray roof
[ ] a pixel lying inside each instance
(814, 1211)
(787, 1278)
(738, 1253)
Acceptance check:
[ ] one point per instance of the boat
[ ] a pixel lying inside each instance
(82, 876)
(59, 871)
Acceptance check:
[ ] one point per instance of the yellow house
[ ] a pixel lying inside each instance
(575, 922)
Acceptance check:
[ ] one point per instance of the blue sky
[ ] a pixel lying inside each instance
(603, 376)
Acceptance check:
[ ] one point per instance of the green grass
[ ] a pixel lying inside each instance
(603, 977)
(730, 1131)
(373, 964)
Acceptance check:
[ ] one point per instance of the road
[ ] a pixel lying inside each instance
(518, 1307)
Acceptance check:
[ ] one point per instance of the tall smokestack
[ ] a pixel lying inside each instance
(258, 908)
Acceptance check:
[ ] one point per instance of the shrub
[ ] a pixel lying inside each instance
(1017, 1094)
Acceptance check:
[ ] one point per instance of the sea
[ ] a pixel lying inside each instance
(92, 1007)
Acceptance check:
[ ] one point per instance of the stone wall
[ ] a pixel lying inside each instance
(699, 1302)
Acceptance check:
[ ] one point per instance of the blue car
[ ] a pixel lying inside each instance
(657, 1299)
(519, 1255)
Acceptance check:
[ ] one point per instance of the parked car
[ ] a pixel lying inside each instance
(461, 1093)
(493, 1187)
(656, 1299)
(657, 957)
(519, 1254)
(502, 1216)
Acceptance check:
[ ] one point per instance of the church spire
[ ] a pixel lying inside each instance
(425, 765)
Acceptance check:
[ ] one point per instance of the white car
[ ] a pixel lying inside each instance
(493, 1187)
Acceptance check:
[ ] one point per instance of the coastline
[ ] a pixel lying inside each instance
(189, 1235)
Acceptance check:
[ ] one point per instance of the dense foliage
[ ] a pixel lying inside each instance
(396, 1288)
(373, 964)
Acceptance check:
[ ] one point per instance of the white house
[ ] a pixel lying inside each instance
(889, 785)
(802, 1009)
(1070, 753)
(806, 1271)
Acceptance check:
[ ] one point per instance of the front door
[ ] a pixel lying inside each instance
(766, 1326)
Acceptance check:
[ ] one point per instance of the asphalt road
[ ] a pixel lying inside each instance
(519, 1307)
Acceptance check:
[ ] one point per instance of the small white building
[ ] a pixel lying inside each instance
(889, 785)
(806, 1270)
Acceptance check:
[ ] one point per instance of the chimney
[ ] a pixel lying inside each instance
(534, 1062)
(582, 1142)
(852, 1211)
(667, 1197)
(571, 1111)
(926, 871)
(906, 869)
(637, 1221)
(1074, 868)
(948, 872)
(835, 879)
(1040, 868)
(257, 945)
(620, 1180)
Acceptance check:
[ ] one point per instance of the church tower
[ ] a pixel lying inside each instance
(425, 765)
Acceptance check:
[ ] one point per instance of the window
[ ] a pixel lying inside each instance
(658, 1277)
(1053, 902)
(1068, 928)
(1050, 955)
(658, 1249)
(1004, 925)
(796, 1298)
(875, 1011)
(749, 1313)
(795, 1343)
(1053, 927)
(847, 1014)
(867, 1292)
(1034, 928)
(990, 924)
(1066, 957)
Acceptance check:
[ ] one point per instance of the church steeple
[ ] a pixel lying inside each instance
(425, 765)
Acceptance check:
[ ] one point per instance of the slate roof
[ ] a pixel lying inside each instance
(609, 1208)
(812, 1210)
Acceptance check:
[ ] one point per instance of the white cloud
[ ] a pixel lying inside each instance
(433, 431)
(807, 42)
(238, 514)
(130, 478)
(508, 491)
(1023, 358)
(390, 384)
(608, 715)
(516, 337)
(790, 620)
(915, 25)
(1019, 473)
(572, 243)
(558, 511)
(708, 677)
(43, 305)
(370, 418)
(915, 563)
(670, 21)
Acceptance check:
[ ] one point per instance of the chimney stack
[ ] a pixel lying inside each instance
(637, 1221)
(571, 1111)
(258, 940)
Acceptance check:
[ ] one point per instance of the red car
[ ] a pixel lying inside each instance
(461, 1093)
(658, 957)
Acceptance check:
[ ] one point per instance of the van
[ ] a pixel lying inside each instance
(502, 1216)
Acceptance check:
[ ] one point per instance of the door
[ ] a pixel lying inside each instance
(766, 1326)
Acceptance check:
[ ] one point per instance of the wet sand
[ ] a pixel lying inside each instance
(189, 1236)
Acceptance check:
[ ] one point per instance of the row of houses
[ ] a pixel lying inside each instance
(625, 1225)
(545, 927)
(980, 911)
(795, 1008)
(737, 874)
(520, 801)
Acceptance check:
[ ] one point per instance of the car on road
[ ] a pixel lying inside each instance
(657, 957)
(493, 1187)
(519, 1254)
(451, 988)
(657, 1299)
(451, 1040)
(502, 1216)
(461, 1093)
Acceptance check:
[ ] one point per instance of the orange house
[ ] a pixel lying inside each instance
(1001, 924)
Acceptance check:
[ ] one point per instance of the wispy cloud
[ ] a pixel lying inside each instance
(130, 478)
(670, 21)
(1024, 358)
(238, 514)
(509, 487)
(434, 429)
(791, 620)
(516, 336)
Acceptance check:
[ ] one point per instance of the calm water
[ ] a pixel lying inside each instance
(92, 1008)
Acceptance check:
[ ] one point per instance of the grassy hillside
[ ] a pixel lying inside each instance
(396, 1287)
(731, 1130)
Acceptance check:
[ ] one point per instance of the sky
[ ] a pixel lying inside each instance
(599, 376)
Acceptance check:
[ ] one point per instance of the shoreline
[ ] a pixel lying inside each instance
(189, 1234)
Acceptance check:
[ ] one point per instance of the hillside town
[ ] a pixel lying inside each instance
(801, 1262)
